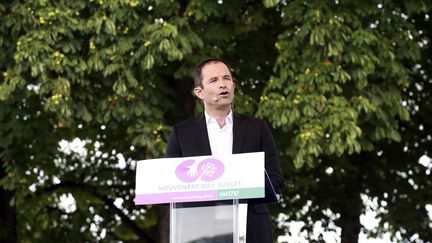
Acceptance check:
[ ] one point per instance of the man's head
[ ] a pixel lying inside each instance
(197, 72)
(214, 84)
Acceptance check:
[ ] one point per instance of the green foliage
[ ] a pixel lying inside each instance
(106, 72)
(339, 98)
(339, 78)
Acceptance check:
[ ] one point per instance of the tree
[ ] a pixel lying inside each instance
(110, 73)
(70, 69)
(343, 72)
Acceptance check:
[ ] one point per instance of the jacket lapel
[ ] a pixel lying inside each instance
(202, 136)
(239, 132)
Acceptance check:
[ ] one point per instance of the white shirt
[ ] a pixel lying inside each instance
(221, 139)
(218, 138)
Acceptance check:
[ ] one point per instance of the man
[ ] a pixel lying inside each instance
(220, 130)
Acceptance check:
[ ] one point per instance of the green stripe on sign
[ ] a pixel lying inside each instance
(241, 193)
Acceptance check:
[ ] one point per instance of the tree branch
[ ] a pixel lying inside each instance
(92, 191)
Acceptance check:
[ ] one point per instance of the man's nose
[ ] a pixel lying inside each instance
(222, 83)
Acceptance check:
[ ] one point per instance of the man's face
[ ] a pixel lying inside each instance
(217, 89)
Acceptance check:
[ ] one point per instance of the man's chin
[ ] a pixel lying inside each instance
(222, 105)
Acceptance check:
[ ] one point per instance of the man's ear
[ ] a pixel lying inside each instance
(198, 92)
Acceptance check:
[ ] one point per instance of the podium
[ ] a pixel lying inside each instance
(205, 193)
(204, 223)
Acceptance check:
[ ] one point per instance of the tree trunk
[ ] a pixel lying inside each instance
(350, 223)
(186, 99)
(186, 104)
(7, 213)
(163, 224)
(351, 204)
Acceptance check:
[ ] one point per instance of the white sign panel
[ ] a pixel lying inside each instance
(201, 178)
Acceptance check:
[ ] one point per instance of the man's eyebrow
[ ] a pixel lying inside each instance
(216, 77)
(212, 78)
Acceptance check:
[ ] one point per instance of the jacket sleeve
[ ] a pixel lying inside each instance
(173, 147)
(272, 161)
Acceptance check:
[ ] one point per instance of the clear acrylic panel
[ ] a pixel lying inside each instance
(209, 222)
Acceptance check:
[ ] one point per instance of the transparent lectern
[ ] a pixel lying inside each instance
(209, 222)
(212, 222)
(205, 193)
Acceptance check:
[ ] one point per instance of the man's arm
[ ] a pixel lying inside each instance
(272, 161)
(173, 146)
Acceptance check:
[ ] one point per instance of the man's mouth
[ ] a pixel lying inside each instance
(224, 93)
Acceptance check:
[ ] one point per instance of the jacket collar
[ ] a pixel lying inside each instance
(202, 135)
(239, 132)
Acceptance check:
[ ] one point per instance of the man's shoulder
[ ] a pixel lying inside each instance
(238, 117)
(247, 118)
(190, 122)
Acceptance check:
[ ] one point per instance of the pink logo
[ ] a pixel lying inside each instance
(208, 170)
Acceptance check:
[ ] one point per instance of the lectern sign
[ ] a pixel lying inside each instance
(208, 169)
(201, 178)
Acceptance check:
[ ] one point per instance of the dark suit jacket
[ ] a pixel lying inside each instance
(190, 138)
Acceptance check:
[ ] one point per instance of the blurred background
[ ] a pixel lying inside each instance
(88, 87)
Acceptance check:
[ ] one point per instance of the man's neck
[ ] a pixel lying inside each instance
(219, 114)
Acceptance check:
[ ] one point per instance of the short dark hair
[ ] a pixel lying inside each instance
(197, 72)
